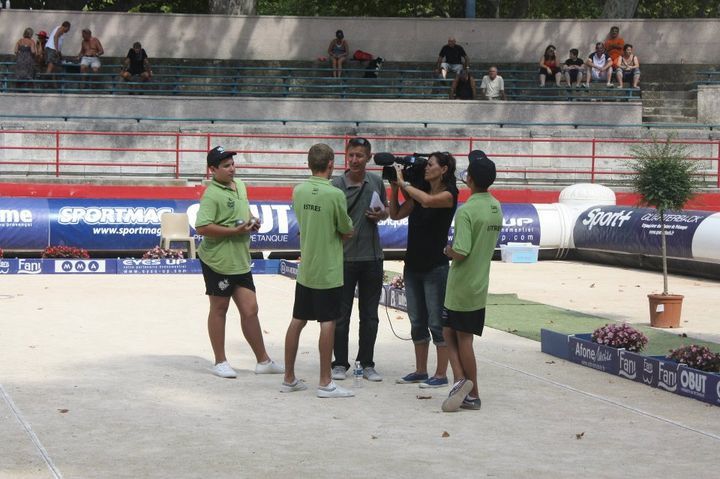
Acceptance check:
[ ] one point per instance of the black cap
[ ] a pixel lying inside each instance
(481, 169)
(217, 154)
(339, 34)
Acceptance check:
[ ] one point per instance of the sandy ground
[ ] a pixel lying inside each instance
(107, 376)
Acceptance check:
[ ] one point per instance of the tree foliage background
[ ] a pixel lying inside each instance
(539, 9)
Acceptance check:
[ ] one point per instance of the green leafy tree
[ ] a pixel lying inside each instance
(666, 180)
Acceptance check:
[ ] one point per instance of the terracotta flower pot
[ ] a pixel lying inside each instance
(665, 310)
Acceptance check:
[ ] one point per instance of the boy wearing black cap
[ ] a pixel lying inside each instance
(477, 226)
(225, 221)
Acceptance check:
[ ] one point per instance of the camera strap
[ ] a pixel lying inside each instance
(357, 198)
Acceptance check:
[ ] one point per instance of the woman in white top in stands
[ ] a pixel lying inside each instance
(338, 52)
(599, 66)
(628, 68)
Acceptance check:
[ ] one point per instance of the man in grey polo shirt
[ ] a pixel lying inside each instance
(363, 259)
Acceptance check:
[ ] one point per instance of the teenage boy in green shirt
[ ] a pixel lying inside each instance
(225, 221)
(477, 226)
(321, 212)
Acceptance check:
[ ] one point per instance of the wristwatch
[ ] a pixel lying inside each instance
(406, 184)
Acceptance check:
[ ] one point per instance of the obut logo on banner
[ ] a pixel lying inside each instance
(693, 382)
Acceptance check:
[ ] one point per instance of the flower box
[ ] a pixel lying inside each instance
(654, 371)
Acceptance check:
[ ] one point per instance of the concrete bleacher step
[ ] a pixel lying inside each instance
(669, 102)
(678, 110)
(669, 106)
(668, 119)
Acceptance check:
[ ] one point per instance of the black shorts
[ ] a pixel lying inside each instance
(554, 70)
(466, 321)
(217, 284)
(317, 304)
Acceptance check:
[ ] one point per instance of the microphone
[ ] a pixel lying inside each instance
(384, 159)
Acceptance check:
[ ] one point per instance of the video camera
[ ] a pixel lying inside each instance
(413, 166)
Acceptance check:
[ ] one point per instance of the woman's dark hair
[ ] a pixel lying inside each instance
(549, 55)
(446, 159)
(339, 34)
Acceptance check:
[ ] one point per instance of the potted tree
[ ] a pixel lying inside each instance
(665, 179)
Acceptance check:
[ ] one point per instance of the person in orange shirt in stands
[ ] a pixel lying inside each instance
(614, 45)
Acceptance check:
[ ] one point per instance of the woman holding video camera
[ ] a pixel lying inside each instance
(429, 206)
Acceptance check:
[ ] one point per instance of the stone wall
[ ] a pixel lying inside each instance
(397, 39)
(322, 109)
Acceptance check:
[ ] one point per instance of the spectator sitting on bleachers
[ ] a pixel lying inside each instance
(463, 87)
(136, 63)
(90, 51)
(338, 52)
(599, 66)
(549, 66)
(628, 68)
(614, 45)
(573, 68)
(493, 85)
(454, 56)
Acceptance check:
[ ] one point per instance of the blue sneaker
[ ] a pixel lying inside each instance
(434, 382)
(413, 378)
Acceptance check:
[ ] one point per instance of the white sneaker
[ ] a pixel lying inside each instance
(333, 391)
(270, 367)
(457, 395)
(339, 373)
(370, 374)
(224, 370)
(293, 387)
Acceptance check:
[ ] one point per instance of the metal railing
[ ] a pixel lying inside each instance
(273, 156)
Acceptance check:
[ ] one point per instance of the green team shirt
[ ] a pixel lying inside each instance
(221, 205)
(477, 226)
(321, 212)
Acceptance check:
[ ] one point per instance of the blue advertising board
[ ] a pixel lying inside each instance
(654, 371)
(108, 225)
(521, 224)
(636, 230)
(23, 223)
(119, 266)
(134, 225)
(158, 266)
(57, 266)
(593, 355)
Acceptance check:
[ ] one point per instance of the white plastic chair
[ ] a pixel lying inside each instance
(175, 227)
